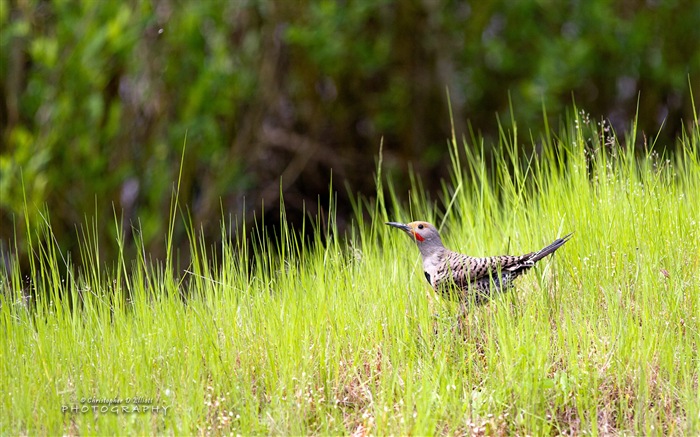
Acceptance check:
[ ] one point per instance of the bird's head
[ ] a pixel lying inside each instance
(424, 233)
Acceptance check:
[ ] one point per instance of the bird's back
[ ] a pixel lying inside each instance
(466, 277)
(476, 279)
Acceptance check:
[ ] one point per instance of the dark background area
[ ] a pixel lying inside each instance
(98, 98)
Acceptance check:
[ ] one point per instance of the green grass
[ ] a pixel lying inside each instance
(344, 336)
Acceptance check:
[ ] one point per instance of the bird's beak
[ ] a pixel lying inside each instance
(401, 226)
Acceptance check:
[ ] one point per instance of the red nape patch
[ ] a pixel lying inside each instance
(418, 236)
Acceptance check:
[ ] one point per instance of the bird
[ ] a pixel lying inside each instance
(466, 278)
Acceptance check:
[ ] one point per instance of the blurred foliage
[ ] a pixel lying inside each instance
(269, 96)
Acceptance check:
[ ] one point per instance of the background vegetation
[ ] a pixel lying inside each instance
(99, 96)
(344, 336)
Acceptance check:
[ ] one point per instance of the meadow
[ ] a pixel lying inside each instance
(342, 334)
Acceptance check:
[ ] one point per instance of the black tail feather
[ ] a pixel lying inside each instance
(549, 249)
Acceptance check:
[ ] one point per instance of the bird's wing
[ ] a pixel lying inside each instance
(466, 269)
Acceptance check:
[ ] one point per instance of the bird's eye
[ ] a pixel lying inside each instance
(420, 226)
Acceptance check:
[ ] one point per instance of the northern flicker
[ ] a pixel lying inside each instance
(468, 278)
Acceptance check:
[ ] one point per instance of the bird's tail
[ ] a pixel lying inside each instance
(549, 249)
